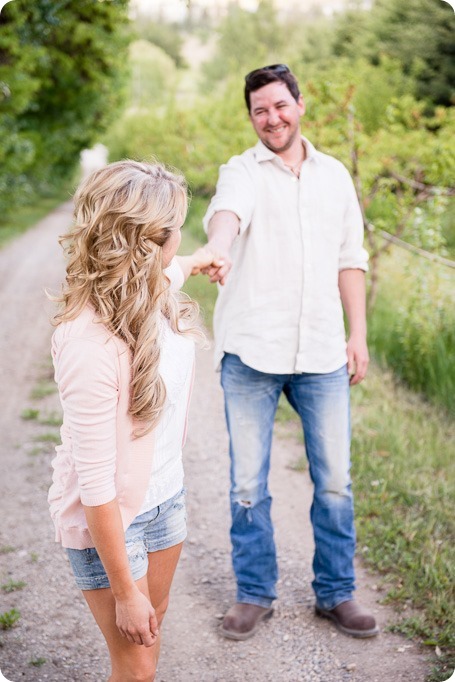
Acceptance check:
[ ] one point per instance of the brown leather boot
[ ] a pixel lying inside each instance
(351, 618)
(242, 620)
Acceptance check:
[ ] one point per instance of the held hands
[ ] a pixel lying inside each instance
(203, 259)
(219, 270)
(136, 619)
(217, 267)
(358, 359)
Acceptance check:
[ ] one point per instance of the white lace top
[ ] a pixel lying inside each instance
(176, 370)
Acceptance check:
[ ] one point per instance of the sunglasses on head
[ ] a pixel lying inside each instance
(275, 68)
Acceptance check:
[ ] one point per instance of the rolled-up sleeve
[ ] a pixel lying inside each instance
(352, 254)
(87, 378)
(234, 192)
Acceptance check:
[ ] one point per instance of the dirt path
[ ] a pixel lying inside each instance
(55, 638)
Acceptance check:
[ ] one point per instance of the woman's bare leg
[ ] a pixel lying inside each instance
(162, 565)
(133, 662)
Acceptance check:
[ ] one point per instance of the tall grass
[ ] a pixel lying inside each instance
(404, 482)
(404, 473)
(412, 326)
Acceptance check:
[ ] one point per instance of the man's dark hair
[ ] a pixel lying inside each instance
(270, 74)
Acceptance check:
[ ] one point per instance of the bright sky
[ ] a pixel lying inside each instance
(176, 9)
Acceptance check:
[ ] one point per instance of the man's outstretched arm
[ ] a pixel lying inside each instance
(223, 229)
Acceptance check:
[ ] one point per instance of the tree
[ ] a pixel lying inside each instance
(165, 36)
(246, 40)
(153, 75)
(352, 36)
(419, 33)
(60, 85)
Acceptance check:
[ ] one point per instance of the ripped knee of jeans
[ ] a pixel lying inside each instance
(244, 498)
(244, 503)
(249, 494)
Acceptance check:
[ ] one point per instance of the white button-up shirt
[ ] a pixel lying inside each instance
(280, 309)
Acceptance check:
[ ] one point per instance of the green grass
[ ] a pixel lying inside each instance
(37, 450)
(26, 216)
(29, 414)
(53, 418)
(8, 619)
(285, 412)
(48, 437)
(444, 668)
(38, 662)
(403, 472)
(13, 586)
(42, 389)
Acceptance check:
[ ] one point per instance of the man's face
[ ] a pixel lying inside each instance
(275, 116)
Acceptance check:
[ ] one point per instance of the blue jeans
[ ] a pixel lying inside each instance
(159, 528)
(322, 402)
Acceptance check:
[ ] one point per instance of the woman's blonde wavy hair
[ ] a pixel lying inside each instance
(124, 213)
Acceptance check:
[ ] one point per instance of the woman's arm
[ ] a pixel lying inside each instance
(88, 386)
(135, 616)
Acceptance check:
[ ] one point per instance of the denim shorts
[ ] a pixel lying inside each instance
(159, 528)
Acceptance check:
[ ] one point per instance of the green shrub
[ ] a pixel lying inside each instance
(61, 68)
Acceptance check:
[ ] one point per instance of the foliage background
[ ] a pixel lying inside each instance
(61, 70)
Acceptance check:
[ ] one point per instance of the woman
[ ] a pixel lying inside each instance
(123, 354)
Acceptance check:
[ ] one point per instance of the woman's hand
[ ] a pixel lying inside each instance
(136, 619)
(134, 615)
(203, 258)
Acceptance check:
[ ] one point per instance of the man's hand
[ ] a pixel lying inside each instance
(358, 359)
(136, 619)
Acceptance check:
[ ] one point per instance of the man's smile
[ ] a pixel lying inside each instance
(277, 130)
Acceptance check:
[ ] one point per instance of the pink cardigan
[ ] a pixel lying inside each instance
(98, 459)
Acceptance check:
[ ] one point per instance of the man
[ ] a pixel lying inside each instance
(291, 216)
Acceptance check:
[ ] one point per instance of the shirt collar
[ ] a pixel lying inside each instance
(263, 153)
